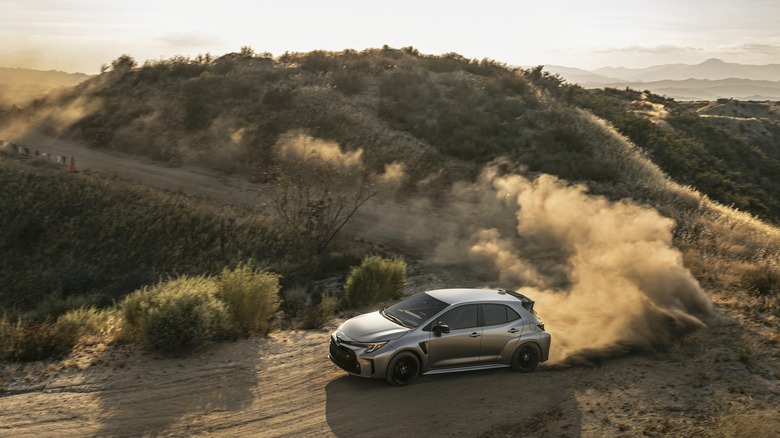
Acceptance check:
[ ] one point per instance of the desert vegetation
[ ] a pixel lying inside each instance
(229, 112)
(321, 134)
(91, 259)
(181, 314)
(88, 241)
(735, 164)
(177, 315)
(375, 280)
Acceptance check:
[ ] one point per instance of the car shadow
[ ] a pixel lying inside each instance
(468, 404)
(156, 392)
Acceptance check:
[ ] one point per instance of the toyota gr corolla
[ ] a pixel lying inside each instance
(441, 331)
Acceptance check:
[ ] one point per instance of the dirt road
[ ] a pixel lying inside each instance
(192, 180)
(715, 383)
(283, 385)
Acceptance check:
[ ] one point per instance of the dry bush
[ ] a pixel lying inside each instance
(29, 339)
(26, 340)
(251, 296)
(376, 279)
(98, 324)
(179, 315)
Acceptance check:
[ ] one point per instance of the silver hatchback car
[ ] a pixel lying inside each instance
(442, 331)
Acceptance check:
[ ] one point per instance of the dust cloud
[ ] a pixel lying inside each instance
(304, 147)
(605, 274)
(393, 175)
(52, 120)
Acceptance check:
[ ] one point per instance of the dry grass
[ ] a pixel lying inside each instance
(742, 418)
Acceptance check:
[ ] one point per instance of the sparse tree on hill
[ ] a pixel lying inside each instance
(247, 51)
(123, 64)
(315, 199)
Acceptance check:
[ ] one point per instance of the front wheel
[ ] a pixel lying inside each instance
(403, 369)
(526, 358)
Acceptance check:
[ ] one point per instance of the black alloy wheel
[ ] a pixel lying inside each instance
(403, 369)
(526, 358)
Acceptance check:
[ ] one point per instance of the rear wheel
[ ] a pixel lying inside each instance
(526, 358)
(403, 369)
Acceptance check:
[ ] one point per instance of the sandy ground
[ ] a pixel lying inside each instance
(721, 381)
(283, 385)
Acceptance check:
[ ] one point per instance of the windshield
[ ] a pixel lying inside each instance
(413, 311)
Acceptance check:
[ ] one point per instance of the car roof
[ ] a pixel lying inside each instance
(463, 295)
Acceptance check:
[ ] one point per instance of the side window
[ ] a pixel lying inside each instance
(494, 313)
(460, 317)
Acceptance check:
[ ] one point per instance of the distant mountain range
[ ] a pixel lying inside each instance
(19, 86)
(712, 79)
(50, 78)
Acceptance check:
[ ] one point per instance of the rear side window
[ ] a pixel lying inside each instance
(495, 314)
(511, 315)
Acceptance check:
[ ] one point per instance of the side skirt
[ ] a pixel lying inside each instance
(465, 368)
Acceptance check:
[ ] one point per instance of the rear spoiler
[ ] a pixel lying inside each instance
(528, 304)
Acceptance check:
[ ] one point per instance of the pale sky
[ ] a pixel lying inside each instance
(81, 35)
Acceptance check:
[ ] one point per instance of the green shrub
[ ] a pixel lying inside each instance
(376, 279)
(35, 340)
(251, 296)
(178, 315)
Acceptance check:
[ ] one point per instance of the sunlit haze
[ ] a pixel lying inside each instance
(82, 35)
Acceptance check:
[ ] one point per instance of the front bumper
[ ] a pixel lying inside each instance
(351, 359)
(347, 359)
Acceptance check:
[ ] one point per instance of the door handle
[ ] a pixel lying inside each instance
(474, 335)
(513, 330)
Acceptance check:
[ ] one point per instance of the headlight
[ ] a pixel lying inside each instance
(370, 348)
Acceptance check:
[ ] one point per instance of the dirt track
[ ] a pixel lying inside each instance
(195, 181)
(283, 385)
(280, 386)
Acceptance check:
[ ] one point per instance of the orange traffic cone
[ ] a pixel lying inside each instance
(72, 167)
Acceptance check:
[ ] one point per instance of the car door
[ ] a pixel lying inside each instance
(461, 346)
(500, 324)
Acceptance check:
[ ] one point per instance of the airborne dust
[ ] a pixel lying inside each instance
(605, 275)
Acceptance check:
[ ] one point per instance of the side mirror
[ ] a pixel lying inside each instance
(441, 328)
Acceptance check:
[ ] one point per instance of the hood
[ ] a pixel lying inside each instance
(372, 327)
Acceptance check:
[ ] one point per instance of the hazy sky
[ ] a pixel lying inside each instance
(81, 35)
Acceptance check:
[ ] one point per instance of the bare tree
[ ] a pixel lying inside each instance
(315, 199)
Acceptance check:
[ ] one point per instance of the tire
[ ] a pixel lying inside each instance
(403, 369)
(526, 358)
